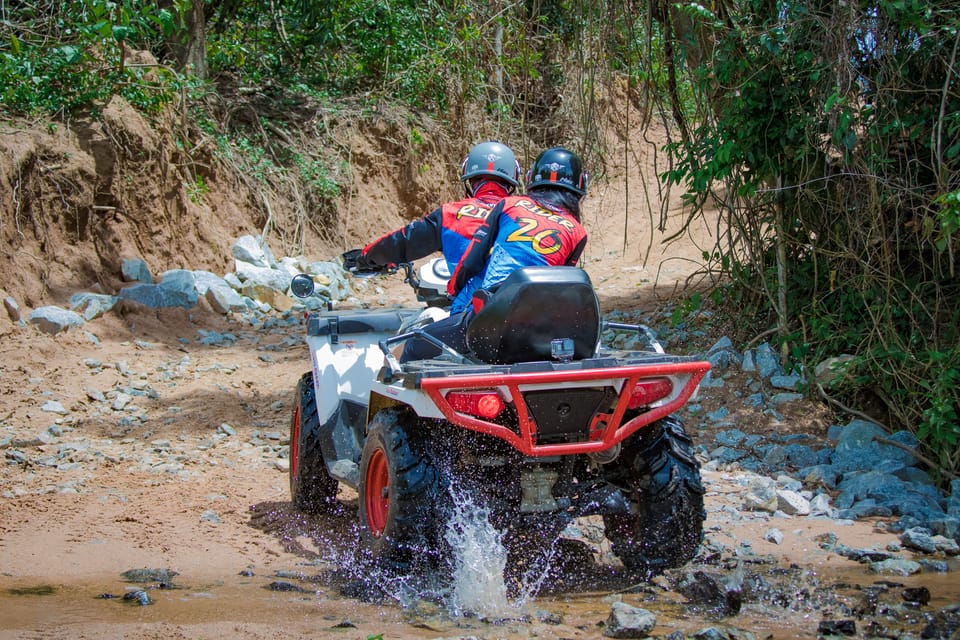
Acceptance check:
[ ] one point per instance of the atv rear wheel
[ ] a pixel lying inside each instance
(403, 501)
(660, 474)
(312, 489)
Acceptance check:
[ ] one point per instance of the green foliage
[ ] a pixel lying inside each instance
(317, 178)
(948, 219)
(85, 65)
(833, 137)
(689, 305)
(197, 189)
(345, 48)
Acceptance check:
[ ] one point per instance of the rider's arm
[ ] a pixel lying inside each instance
(418, 239)
(475, 257)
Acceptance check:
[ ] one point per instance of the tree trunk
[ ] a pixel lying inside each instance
(195, 58)
(189, 47)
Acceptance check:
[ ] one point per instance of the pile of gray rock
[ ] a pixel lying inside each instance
(870, 471)
(859, 471)
(258, 283)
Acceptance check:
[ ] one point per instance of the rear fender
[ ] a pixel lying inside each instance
(388, 395)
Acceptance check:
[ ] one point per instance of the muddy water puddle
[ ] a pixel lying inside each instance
(247, 606)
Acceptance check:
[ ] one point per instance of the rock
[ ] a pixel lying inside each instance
(857, 450)
(203, 280)
(820, 506)
(896, 567)
(918, 539)
(785, 397)
(718, 415)
(790, 383)
(224, 299)
(120, 401)
(281, 585)
(148, 295)
(943, 624)
(226, 429)
(768, 362)
(53, 406)
(273, 297)
(773, 535)
(837, 628)
(210, 516)
(626, 621)
(179, 287)
(149, 575)
(792, 503)
(832, 368)
(138, 597)
(135, 270)
(53, 319)
(332, 277)
(730, 437)
(13, 309)
(917, 595)
(92, 305)
(760, 497)
(268, 278)
(251, 250)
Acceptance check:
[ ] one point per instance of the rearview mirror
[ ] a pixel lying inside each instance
(302, 285)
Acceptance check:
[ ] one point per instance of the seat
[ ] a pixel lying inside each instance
(530, 309)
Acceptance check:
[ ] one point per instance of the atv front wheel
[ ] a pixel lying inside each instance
(659, 473)
(403, 502)
(312, 489)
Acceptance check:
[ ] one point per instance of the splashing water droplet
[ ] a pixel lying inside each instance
(479, 560)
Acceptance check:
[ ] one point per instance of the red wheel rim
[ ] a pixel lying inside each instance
(377, 493)
(295, 442)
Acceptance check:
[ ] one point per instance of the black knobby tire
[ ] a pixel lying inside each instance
(663, 477)
(403, 499)
(312, 489)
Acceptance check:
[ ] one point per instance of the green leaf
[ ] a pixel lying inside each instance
(831, 100)
(70, 53)
(121, 33)
(165, 19)
(14, 44)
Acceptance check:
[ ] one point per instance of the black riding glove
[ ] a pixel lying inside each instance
(354, 261)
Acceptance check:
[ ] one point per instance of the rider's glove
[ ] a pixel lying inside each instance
(349, 258)
(355, 261)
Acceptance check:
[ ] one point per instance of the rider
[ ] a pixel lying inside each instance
(489, 173)
(540, 228)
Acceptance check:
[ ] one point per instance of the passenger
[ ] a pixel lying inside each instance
(539, 228)
(489, 173)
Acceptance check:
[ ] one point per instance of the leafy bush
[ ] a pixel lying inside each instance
(86, 63)
(829, 140)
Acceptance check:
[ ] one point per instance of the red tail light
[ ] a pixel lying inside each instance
(483, 404)
(648, 391)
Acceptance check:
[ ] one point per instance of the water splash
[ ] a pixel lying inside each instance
(479, 559)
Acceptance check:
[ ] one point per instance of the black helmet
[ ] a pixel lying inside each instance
(558, 167)
(490, 159)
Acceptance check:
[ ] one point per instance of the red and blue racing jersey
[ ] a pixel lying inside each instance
(519, 232)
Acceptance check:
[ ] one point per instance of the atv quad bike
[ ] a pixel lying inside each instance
(539, 422)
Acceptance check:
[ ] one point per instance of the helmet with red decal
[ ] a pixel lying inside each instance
(558, 167)
(491, 159)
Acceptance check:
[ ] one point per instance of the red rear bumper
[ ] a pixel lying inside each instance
(605, 431)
